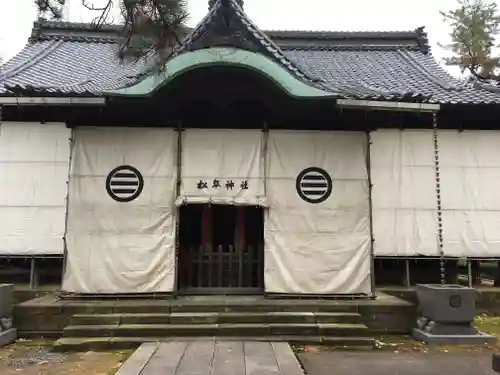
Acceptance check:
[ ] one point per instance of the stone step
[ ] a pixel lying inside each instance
(169, 330)
(79, 344)
(266, 306)
(214, 318)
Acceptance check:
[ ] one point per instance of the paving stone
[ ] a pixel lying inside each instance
(197, 359)
(285, 357)
(138, 360)
(166, 360)
(260, 359)
(229, 359)
(212, 357)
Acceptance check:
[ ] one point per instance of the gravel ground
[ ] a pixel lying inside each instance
(34, 358)
(380, 363)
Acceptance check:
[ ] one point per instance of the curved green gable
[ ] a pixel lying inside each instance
(220, 56)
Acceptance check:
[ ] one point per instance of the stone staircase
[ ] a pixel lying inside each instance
(128, 330)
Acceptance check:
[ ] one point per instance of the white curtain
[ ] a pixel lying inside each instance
(222, 166)
(317, 248)
(404, 193)
(121, 247)
(34, 160)
(470, 181)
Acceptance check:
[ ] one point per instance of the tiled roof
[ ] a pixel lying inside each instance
(75, 59)
(243, 32)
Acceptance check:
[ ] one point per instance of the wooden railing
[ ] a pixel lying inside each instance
(237, 269)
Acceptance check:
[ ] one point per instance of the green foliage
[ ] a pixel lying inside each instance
(475, 26)
(151, 28)
(51, 8)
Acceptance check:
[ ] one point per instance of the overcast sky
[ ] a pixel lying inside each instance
(17, 16)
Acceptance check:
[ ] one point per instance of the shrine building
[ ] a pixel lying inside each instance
(257, 162)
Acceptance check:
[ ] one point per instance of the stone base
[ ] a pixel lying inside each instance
(8, 337)
(495, 362)
(428, 338)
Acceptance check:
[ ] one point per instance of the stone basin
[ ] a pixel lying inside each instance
(446, 303)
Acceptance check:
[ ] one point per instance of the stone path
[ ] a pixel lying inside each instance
(212, 358)
(380, 363)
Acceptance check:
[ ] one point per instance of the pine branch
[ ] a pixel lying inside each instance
(475, 25)
(103, 17)
(151, 27)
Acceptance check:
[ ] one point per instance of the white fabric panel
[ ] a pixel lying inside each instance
(118, 247)
(321, 248)
(470, 180)
(34, 166)
(224, 156)
(404, 193)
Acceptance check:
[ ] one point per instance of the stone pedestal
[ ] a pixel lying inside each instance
(6, 302)
(446, 315)
(495, 362)
(8, 334)
(8, 337)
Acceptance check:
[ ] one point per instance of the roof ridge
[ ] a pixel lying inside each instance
(16, 69)
(437, 80)
(87, 26)
(486, 86)
(277, 50)
(338, 33)
(86, 32)
(74, 31)
(39, 25)
(231, 26)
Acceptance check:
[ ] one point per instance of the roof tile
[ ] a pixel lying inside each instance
(72, 58)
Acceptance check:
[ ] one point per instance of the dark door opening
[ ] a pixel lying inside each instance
(221, 249)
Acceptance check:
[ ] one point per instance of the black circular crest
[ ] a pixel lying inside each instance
(314, 185)
(124, 183)
(455, 301)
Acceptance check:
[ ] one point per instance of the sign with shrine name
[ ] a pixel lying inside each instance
(227, 184)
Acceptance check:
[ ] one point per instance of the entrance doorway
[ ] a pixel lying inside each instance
(221, 249)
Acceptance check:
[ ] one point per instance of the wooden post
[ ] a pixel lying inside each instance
(407, 273)
(65, 243)
(33, 274)
(476, 272)
(497, 275)
(469, 272)
(265, 161)
(179, 130)
(265, 151)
